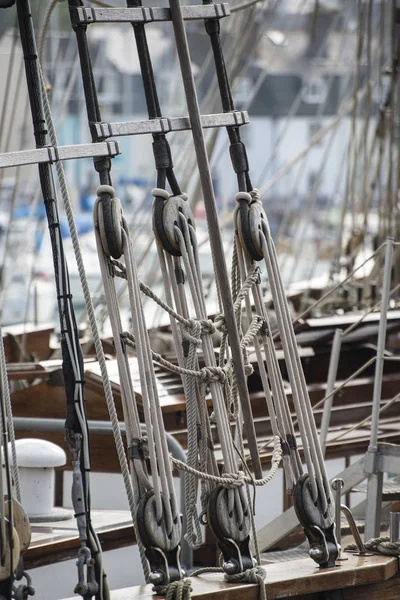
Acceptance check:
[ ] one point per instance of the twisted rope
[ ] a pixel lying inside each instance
(205, 374)
(178, 590)
(255, 575)
(381, 545)
(236, 479)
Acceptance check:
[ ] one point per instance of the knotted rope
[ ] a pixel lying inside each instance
(236, 479)
(178, 590)
(255, 575)
(381, 545)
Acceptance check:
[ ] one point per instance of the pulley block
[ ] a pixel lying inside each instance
(21, 523)
(109, 221)
(11, 556)
(318, 527)
(162, 546)
(167, 212)
(250, 219)
(232, 533)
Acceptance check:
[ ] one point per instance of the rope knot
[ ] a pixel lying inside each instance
(248, 369)
(192, 332)
(219, 323)
(255, 195)
(234, 480)
(207, 326)
(209, 374)
(254, 575)
(178, 590)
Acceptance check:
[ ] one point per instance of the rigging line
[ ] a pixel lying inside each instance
(369, 311)
(327, 212)
(92, 320)
(233, 50)
(393, 88)
(151, 406)
(4, 288)
(276, 335)
(9, 416)
(298, 244)
(314, 19)
(250, 4)
(213, 224)
(11, 119)
(352, 164)
(298, 99)
(7, 85)
(353, 154)
(307, 428)
(328, 396)
(76, 424)
(8, 479)
(367, 419)
(345, 108)
(368, 100)
(213, 135)
(300, 173)
(339, 243)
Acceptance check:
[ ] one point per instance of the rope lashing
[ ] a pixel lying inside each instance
(205, 374)
(256, 575)
(380, 545)
(178, 590)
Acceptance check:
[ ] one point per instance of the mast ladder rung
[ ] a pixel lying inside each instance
(86, 15)
(165, 125)
(51, 154)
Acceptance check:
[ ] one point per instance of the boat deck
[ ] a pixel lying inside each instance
(372, 577)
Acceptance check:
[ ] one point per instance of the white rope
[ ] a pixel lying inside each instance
(93, 324)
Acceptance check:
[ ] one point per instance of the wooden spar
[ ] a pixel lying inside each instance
(359, 577)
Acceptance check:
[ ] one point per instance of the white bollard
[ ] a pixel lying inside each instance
(36, 460)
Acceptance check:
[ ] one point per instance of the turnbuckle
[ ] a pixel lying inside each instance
(162, 547)
(232, 533)
(319, 527)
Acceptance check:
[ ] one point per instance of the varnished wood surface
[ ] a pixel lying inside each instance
(54, 542)
(296, 579)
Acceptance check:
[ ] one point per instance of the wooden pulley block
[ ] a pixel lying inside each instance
(5, 570)
(108, 220)
(167, 213)
(250, 219)
(21, 524)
